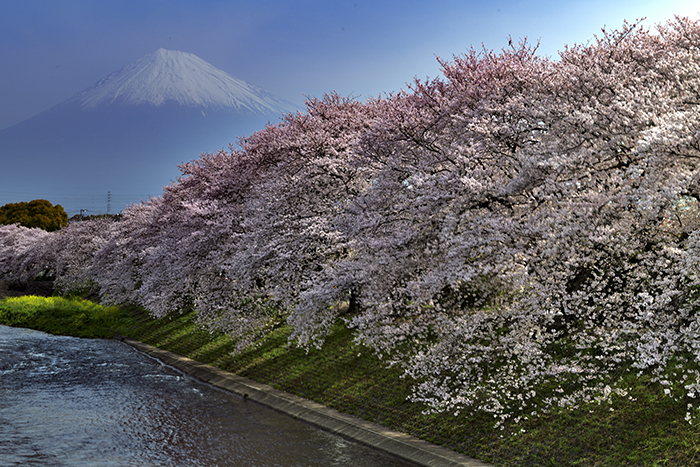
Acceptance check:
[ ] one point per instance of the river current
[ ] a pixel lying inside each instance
(82, 402)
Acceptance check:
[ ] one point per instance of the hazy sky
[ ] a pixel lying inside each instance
(51, 49)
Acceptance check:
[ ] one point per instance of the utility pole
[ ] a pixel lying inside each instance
(109, 201)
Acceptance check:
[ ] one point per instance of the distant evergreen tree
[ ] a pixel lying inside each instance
(37, 213)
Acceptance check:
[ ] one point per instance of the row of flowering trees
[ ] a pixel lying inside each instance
(519, 234)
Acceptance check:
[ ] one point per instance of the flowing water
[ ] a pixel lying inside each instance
(79, 402)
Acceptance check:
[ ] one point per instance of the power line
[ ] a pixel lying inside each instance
(75, 195)
(73, 203)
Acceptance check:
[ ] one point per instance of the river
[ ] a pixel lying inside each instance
(81, 402)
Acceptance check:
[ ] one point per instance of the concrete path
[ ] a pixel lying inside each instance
(398, 444)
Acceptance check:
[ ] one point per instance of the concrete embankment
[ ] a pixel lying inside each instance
(398, 444)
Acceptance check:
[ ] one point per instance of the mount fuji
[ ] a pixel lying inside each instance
(120, 140)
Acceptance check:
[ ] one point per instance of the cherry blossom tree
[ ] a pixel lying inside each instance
(587, 162)
(256, 224)
(70, 254)
(117, 265)
(290, 235)
(17, 245)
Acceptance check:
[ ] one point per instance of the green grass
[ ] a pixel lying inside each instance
(649, 431)
(57, 315)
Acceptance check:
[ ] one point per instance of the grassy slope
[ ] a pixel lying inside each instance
(648, 431)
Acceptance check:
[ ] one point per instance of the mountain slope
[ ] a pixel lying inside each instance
(127, 133)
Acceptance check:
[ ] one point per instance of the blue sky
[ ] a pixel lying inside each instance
(50, 49)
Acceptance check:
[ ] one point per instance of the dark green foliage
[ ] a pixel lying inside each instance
(38, 213)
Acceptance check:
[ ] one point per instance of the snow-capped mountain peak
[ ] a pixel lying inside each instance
(130, 130)
(168, 76)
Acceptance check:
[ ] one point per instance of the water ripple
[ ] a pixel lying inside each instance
(79, 402)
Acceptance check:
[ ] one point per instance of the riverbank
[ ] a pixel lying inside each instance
(648, 430)
(371, 434)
